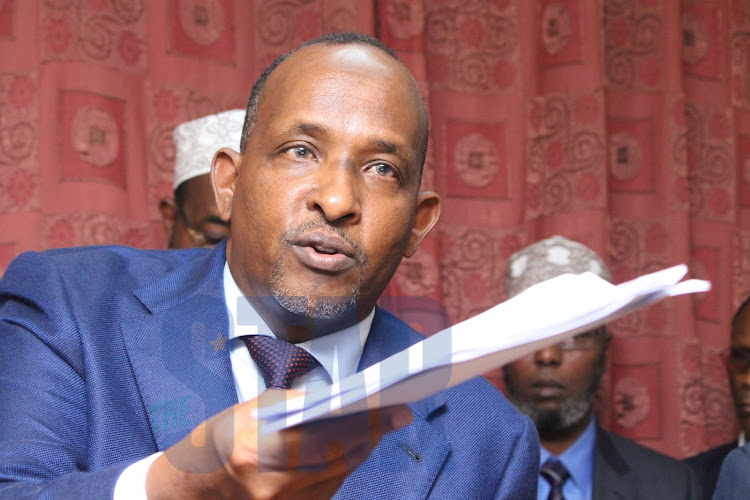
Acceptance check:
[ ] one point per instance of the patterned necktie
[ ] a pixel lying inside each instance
(556, 474)
(279, 362)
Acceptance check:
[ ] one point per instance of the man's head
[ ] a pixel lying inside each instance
(191, 219)
(556, 386)
(738, 365)
(324, 196)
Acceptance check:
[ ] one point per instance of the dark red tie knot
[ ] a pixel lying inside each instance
(279, 361)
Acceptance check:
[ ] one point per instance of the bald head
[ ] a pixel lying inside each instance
(353, 51)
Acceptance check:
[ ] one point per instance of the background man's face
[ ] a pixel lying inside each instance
(196, 223)
(556, 388)
(739, 380)
(327, 191)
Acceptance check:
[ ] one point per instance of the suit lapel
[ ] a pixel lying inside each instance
(611, 472)
(416, 453)
(177, 347)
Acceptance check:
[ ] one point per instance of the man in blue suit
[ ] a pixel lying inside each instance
(127, 373)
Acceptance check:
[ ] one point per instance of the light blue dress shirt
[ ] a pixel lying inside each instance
(579, 460)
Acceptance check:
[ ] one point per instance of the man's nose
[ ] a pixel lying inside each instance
(336, 193)
(549, 356)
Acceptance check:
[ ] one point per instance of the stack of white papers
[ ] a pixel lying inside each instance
(542, 315)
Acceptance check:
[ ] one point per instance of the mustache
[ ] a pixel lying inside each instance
(295, 233)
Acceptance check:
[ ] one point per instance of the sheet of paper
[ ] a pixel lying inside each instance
(540, 316)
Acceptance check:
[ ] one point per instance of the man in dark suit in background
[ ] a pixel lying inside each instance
(708, 463)
(129, 373)
(556, 387)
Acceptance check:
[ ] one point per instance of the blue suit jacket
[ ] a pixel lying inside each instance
(106, 357)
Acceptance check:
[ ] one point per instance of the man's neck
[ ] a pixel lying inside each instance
(557, 441)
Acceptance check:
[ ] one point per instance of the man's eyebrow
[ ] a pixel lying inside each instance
(310, 129)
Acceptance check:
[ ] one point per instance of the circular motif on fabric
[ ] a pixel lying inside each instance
(405, 19)
(501, 37)
(57, 36)
(97, 38)
(338, 21)
(625, 156)
(129, 47)
(163, 149)
(274, 24)
(18, 141)
(474, 248)
(21, 92)
(692, 398)
(632, 402)
(60, 234)
(587, 148)
(442, 32)
(623, 242)
(620, 69)
(474, 71)
(476, 160)
(695, 38)
(556, 27)
(95, 136)
(21, 187)
(557, 193)
(129, 11)
(99, 230)
(718, 407)
(166, 105)
(417, 275)
(203, 21)
(647, 36)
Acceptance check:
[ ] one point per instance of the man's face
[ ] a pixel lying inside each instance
(197, 222)
(739, 372)
(325, 200)
(556, 387)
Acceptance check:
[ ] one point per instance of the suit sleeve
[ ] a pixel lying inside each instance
(521, 476)
(43, 410)
(734, 478)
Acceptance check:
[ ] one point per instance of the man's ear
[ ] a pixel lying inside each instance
(425, 218)
(168, 210)
(224, 170)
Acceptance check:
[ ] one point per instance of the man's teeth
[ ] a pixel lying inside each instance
(324, 250)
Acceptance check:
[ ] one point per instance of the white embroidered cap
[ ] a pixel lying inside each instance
(549, 258)
(197, 141)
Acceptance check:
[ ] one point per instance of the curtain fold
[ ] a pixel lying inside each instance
(624, 124)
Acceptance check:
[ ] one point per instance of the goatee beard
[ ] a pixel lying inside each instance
(310, 305)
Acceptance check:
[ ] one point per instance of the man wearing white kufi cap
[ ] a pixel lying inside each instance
(191, 219)
(556, 387)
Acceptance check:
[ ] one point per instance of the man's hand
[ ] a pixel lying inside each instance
(228, 456)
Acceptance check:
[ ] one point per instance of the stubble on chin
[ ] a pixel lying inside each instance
(310, 304)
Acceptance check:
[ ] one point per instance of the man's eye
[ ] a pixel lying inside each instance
(384, 169)
(301, 152)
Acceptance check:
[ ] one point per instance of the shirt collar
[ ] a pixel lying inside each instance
(338, 352)
(742, 439)
(579, 458)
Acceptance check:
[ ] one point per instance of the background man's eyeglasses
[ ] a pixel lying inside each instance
(738, 360)
(208, 232)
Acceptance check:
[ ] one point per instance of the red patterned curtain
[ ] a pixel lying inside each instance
(624, 124)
